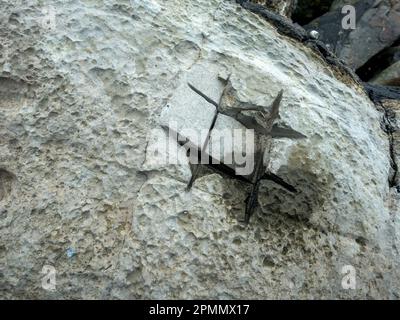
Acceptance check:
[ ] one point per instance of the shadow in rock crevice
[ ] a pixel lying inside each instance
(14, 93)
(312, 193)
(308, 10)
(7, 181)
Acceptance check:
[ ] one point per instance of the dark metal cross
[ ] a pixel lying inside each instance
(259, 171)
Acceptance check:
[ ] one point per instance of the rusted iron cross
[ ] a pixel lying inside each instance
(259, 172)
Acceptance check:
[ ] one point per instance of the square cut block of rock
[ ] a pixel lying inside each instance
(191, 110)
(189, 115)
(234, 146)
(205, 79)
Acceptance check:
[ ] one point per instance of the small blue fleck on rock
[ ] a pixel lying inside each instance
(70, 252)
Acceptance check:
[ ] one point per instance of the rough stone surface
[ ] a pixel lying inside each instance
(389, 76)
(282, 7)
(378, 27)
(88, 81)
(392, 108)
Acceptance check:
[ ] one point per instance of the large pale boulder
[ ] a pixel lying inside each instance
(85, 188)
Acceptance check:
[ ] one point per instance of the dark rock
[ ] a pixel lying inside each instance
(389, 76)
(341, 3)
(378, 27)
(380, 62)
(284, 25)
(308, 10)
(392, 120)
(379, 93)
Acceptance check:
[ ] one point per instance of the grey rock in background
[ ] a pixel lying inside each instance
(378, 64)
(76, 148)
(389, 76)
(378, 27)
(339, 4)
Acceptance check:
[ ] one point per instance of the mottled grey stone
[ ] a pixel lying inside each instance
(393, 121)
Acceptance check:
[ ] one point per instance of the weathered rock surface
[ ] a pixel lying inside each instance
(378, 27)
(86, 82)
(389, 76)
(392, 108)
(282, 7)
